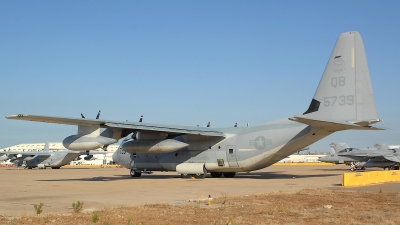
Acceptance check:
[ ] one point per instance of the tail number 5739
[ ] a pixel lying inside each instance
(339, 100)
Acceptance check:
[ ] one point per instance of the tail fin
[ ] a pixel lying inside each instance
(344, 93)
(335, 148)
(382, 147)
(46, 147)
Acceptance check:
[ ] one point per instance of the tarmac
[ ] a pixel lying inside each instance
(101, 188)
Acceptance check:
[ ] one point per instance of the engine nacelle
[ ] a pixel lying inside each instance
(84, 143)
(28, 158)
(89, 157)
(153, 146)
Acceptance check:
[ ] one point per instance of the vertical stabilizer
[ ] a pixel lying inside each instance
(345, 92)
(46, 147)
(335, 148)
(382, 147)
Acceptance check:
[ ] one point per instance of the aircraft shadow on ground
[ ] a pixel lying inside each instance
(254, 175)
(341, 169)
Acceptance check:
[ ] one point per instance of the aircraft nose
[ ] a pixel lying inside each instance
(114, 157)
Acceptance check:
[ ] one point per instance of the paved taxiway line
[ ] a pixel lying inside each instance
(100, 188)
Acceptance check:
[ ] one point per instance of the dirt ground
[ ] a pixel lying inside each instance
(275, 195)
(309, 206)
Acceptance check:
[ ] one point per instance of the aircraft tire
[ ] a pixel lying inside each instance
(135, 173)
(200, 176)
(183, 175)
(216, 174)
(229, 175)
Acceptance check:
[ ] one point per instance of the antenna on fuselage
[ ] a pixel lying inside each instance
(98, 115)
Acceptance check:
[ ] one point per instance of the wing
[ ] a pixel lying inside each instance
(392, 158)
(134, 126)
(26, 153)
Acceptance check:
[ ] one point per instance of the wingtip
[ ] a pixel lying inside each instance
(15, 116)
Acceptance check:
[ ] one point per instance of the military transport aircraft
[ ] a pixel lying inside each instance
(342, 101)
(45, 158)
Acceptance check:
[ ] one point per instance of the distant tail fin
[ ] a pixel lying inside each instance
(344, 93)
(382, 146)
(335, 148)
(46, 147)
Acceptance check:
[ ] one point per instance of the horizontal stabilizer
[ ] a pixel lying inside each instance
(332, 125)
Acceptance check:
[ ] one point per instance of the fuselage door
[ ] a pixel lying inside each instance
(231, 155)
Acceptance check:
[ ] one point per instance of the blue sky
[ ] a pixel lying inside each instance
(186, 62)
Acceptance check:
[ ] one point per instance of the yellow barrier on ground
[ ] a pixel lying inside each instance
(374, 177)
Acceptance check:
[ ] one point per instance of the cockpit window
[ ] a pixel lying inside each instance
(347, 150)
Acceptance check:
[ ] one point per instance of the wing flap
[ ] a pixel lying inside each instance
(166, 128)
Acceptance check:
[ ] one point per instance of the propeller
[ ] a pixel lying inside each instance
(133, 134)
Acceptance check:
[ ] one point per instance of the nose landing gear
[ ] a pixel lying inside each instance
(135, 173)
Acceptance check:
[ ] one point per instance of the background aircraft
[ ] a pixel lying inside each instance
(382, 156)
(343, 101)
(45, 158)
(353, 163)
(333, 157)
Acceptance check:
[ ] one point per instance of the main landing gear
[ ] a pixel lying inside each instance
(138, 173)
(227, 174)
(196, 176)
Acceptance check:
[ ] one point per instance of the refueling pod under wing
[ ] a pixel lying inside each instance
(153, 146)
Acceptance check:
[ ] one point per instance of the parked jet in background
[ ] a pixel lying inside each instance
(46, 158)
(4, 156)
(337, 149)
(333, 157)
(382, 156)
(342, 101)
